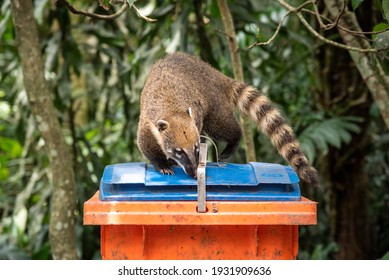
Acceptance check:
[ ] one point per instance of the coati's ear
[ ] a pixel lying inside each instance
(162, 125)
(190, 112)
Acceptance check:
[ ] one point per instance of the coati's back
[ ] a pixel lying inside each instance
(184, 97)
(178, 77)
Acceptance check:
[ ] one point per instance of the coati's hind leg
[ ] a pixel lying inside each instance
(225, 128)
(153, 152)
(233, 141)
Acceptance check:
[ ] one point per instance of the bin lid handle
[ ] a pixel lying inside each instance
(201, 184)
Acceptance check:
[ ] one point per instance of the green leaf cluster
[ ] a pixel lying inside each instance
(317, 137)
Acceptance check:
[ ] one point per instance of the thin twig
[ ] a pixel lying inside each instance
(330, 42)
(271, 39)
(224, 33)
(230, 37)
(344, 28)
(336, 22)
(102, 4)
(319, 17)
(298, 10)
(142, 16)
(316, 13)
(122, 9)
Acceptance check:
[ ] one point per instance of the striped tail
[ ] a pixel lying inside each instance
(269, 120)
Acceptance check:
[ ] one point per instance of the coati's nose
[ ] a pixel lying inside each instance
(191, 171)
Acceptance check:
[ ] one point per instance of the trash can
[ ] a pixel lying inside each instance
(252, 212)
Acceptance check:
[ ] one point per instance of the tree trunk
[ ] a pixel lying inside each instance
(205, 45)
(238, 74)
(370, 70)
(63, 200)
(346, 93)
(348, 185)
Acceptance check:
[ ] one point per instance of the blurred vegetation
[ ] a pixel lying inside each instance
(96, 70)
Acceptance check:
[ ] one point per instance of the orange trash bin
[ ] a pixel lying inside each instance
(144, 215)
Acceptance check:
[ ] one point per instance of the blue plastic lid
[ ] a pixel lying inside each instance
(234, 182)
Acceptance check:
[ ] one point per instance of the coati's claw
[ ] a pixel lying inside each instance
(166, 171)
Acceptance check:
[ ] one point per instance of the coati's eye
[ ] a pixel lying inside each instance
(178, 152)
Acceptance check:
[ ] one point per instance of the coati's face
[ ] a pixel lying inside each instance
(180, 141)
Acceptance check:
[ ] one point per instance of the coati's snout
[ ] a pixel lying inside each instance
(191, 170)
(180, 141)
(187, 159)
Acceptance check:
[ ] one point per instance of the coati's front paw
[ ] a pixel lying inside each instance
(166, 171)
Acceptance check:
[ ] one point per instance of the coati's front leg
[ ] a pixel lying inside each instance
(151, 149)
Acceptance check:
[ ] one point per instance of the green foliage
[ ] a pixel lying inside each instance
(381, 40)
(9, 149)
(379, 28)
(318, 136)
(356, 3)
(385, 257)
(381, 35)
(385, 9)
(320, 252)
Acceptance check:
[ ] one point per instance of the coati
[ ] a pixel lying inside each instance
(184, 97)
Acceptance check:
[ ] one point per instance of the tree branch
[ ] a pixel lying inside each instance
(355, 32)
(369, 67)
(142, 16)
(319, 36)
(271, 39)
(297, 11)
(238, 72)
(122, 9)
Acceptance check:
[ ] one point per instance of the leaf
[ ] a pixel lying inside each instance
(349, 124)
(356, 3)
(381, 40)
(4, 171)
(379, 28)
(308, 148)
(4, 20)
(331, 132)
(385, 9)
(12, 149)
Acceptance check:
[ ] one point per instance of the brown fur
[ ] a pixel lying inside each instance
(184, 96)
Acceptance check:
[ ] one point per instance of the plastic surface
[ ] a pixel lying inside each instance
(211, 242)
(233, 182)
(97, 212)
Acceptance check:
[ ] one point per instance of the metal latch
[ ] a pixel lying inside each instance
(201, 186)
